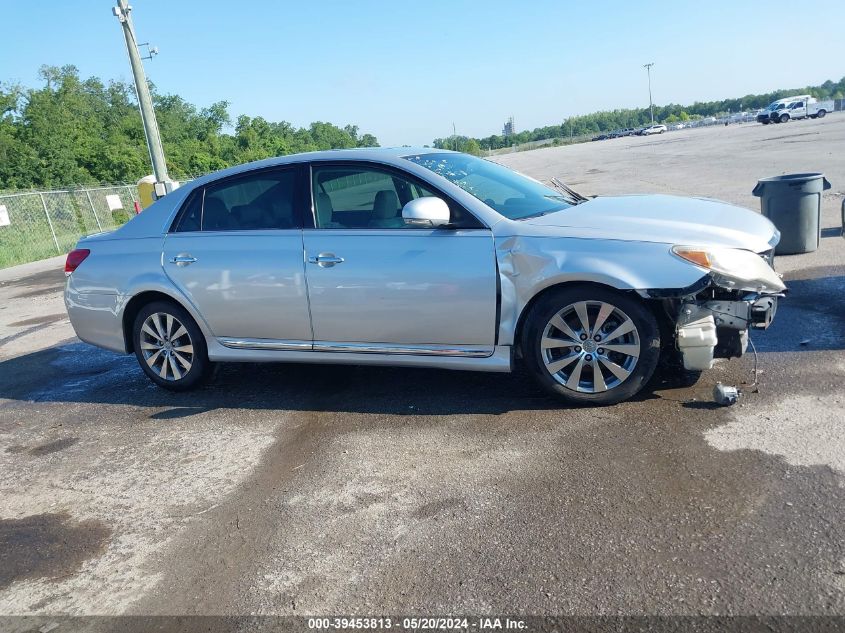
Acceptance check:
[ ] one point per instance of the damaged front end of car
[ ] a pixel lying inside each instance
(738, 292)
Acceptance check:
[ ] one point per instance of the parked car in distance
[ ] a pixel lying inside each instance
(654, 129)
(600, 137)
(423, 258)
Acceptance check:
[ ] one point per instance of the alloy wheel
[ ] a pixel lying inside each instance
(166, 346)
(590, 346)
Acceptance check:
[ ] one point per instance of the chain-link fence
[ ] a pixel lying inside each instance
(41, 224)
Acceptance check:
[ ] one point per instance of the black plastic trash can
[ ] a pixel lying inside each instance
(793, 203)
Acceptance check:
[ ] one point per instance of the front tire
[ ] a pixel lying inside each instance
(591, 345)
(784, 118)
(169, 346)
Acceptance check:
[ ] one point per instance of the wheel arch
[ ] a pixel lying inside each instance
(556, 287)
(143, 298)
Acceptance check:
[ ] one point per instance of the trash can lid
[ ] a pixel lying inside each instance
(801, 182)
(793, 178)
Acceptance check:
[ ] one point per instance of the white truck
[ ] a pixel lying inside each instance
(764, 115)
(802, 108)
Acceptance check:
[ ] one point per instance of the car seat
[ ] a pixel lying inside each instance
(386, 211)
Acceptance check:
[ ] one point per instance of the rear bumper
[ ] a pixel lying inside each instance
(96, 318)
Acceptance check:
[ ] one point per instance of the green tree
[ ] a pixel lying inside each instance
(72, 131)
(471, 146)
(368, 140)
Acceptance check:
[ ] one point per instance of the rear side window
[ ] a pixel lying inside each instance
(264, 200)
(191, 215)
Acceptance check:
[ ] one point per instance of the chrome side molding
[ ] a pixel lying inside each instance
(266, 343)
(470, 351)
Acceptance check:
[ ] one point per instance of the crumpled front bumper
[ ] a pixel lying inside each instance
(718, 328)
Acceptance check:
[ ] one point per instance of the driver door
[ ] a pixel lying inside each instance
(378, 285)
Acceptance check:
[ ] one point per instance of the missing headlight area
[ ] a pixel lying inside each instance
(715, 323)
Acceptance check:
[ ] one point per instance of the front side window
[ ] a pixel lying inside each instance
(260, 201)
(511, 194)
(350, 197)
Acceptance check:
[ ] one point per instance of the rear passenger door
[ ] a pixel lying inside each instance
(235, 251)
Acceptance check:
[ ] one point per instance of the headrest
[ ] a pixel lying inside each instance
(324, 204)
(249, 216)
(215, 215)
(386, 205)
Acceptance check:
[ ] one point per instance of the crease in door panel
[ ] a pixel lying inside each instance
(307, 288)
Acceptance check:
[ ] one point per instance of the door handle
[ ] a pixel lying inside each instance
(183, 259)
(325, 260)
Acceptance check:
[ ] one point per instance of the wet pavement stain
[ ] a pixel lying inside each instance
(452, 505)
(42, 320)
(43, 449)
(47, 546)
(53, 447)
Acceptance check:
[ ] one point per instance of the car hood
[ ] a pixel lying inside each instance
(662, 219)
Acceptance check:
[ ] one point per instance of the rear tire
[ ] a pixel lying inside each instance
(562, 354)
(170, 347)
(820, 114)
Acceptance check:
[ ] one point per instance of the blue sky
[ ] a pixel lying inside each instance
(406, 71)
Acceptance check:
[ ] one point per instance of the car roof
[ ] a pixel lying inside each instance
(375, 154)
(157, 218)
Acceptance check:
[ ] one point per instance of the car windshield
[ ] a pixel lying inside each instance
(511, 194)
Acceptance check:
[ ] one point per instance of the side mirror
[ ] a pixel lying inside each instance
(426, 212)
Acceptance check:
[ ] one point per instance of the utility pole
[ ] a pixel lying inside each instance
(650, 104)
(163, 183)
(454, 137)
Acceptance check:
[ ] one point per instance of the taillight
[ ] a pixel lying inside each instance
(74, 258)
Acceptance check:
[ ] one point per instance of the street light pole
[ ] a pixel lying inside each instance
(145, 102)
(650, 104)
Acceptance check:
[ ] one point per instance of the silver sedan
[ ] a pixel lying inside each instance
(424, 258)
